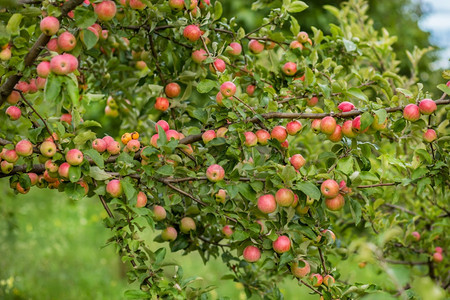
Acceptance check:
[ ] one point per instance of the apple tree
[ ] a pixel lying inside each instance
(281, 150)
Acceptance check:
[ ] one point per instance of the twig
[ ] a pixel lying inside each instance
(377, 184)
(310, 287)
(322, 260)
(212, 242)
(155, 56)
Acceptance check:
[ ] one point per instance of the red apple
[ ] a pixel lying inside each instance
(169, 234)
(250, 139)
(63, 170)
(49, 25)
(429, 135)
(108, 140)
(284, 197)
(105, 10)
(335, 203)
(114, 188)
(187, 224)
(221, 132)
(208, 136)
(161, 103)
(227, 231)
(141, 200)
(23, 86)
(427, 106)
(290, 68)
(356, 125)
(411, 112)
(251, 254)
(200, 55)
(219, 65)
(136, 4)
(255, 46)
(133, 145)
(236, 49)
(336, 136)
(219, 98)
(302, 37)
(6, 167)
(14, 113)
(328, 125)
(51, 167)
(437, 257)
(347, 129)
(24, 148)
(300, 271)
(43, 69)
(67, 41)
(13, 98)
(346, 106)
(221, 195)
(282, 244)
(329, 188)
(295, 45)
(228, 89)
(315, 125)
(328, 280)
(176, 5)
(415, 235)
(192, 33)
(159, 213)
(250, 89)
(215, 173)
(312, 101)
(293, 127)
(279, 133)
(10, 156)
(113, 148)
(267, 204)
(263, 136)
(172, 90)
(164, 125)
(99, 145)
(316, 279)
(48, 149)
(74, 157)
(297, 161)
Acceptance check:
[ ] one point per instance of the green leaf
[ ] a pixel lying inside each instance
(89, 38)
(206, 85)
(98, 174)
(74, 173)
(13, 26)
(381, 114)
(345, 165)
(443, 87)
(128, 189)
(96, 157)
(422, 153)
(72, 91)
(246, 191)
(357, 93)
(366, 120)
(295, 28)
(217, 10)
(52, 88)
(349, 45)
(160, 254)
(355, 209)
(399, 125)
(136, 294)
(84, 17)
(165, 170)
(89, 123)
(83, 137)
(297, 6)
(239, 235)
(309, 189)
(407, 93)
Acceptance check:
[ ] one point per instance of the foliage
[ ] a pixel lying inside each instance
(392, 181)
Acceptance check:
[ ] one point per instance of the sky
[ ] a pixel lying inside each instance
(437, 21)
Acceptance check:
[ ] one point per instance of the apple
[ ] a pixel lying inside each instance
(63, 170)
(235, 50)
(356, 125)
(329, 188)
(49, 25)
(438, 249)
(192, 33)
(316, 279)
(141, 200)
(343, 187)
(429, 135)
(114, 188)
(219, 65)
(284, 197)
(376, 123)
(295, 45)
(227, 231)
(13, 113)
(6, 167)
(437, 257)
(281, 244)
(74, 157)
(251, 254)
(52, 45)
(219, 98)
(328, 280)
(187, 224)
(10, 156)
(250, 89)
(162, 103)
(208, 136)
(328, 125)
(176, 5)
(297, 161)
(48, 148)
(329, 234)
(111, 112)
(169, 234)
(267, 204)
(295, 202)
(300, 272)
(154, 140)
(20, 189)
(136, 4)
(133, 145)
(411, 112)
(43, 69)
(346, 106)
(32, 86)
(164, 125)
(67, 41)
(255, 46)
(24, 148)
(99, 145)
(302, 37)
(141, 65)
(279, 133)
(263, 136)
(51, 167)
(285, 144)
(228, 89)
(347, 129)
(315, 125)
(13, 98)
(312, 101)
(335, 203)
(5, 54)
(215, 173)
(159, 213)
(33, 178)
(293, 127)
(250, 139)
(221, 195)
(108, 140)
(113, 148)
(40, 83)
(66, 118)
(289, 68)
(172, 90)
(60, 65)
(336, 136)
(105, 10)
(221, 132)
(172, 134)
(23, 86)
(198, 56)
(415, 235)
(427, 106)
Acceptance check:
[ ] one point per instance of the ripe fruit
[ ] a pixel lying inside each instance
(227, 231)
(289, 69)
(295, 45)
(51, 167)
(346, 106)
(99, 145)
(437, 257)
(176, 4)
(328, 125)
(66, 118)
(63, 170)
(187, 224)
(10, 156)
(43, 69)
(297, 161)
(236, 49)
(429, 135)
(141, 199)
(219, 64)
(312, 101)
(13, 113)
(162, 103)
(219, 98)
(300, 271)
(336, 136)
(215, 173)
(159, 213)
(228, 89)
(172, 134)
(110, 112)
(5, 54)
(411, 112)
(438, 249)
(415, 235)
(164, 125)
(356, 125)
(67, 41)
(293, 127)
(172, 90)
(141, 65)
(282, 244)
(255, 46)
(315, 125)
(329, 188)
(48, 148)
(61, 64)
(136, 4)
(221, 132)
(250, 89)
(427, 106)
(169, 234)
(251, 254)
(33, 178)
(114, 188)
(250, 139)
(199, 55)
(302, 37)
(23, 86)
(13, 98)
(113, 148)
(24, 148)
(263, 136)
(328, 280)
(133, 145)
(192, 33)
(208, 135)
(221, 195)
(49, 25)
(74, 157)
(267, 204)
(316, 279)
(105, 10)
(284, 197)
(343, 187)
(279, 133)
(347, 129)
(335, 203)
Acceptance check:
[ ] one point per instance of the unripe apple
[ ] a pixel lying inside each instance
(250, 139)
(328, 280)
(328, 125)
(297, 161)
(215, 173)
(227, 231)
(208, 136)
(415, 235)
(347, 129)
(136, 4)
(111, 112)
(114, 188)
(49, 25)
(375, 124)
(219, 65)
(43, 69)
(228, 89)
(427, 106)
(251, 254)
(164, 125)
(108, 140)
(221, 195)
(250, 89)
(316, 279)
(411, 112)
(13, 112)
(346, 106)
(221, 132)
(329, 188)
(23, 86)
(141, 200)
(302, 271)
(176, 5)
(141, 65)
(48, 148)
(302, 37)
(263, 136)
(6, 167)
(336, 136)
(10, 156)
(172, 90)
(67, 41)
(33, 178)
(284, 197)
(267, 204)
(187, 224)
(192, 32)
(200, 55)
(281, 244)
(24, 148)
(113, 148)
(356, 125)
(335, 203)
(315, 125)
(289, 68)
(111, 102)
(63, 170)
(99, 145)
(429, 135)
(255, 46)
(312, 101)
(5, 54)
(51, 167)
(159, 213)
(293, 127)
(437, 257)
(236, 49)
(162, 103)
(295, 45)
(279, 133)
(169, 234)
(105, 10)
(133, 145)
(74, 157)
(329, 234)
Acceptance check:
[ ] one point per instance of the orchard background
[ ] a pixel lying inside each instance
(241, 150)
